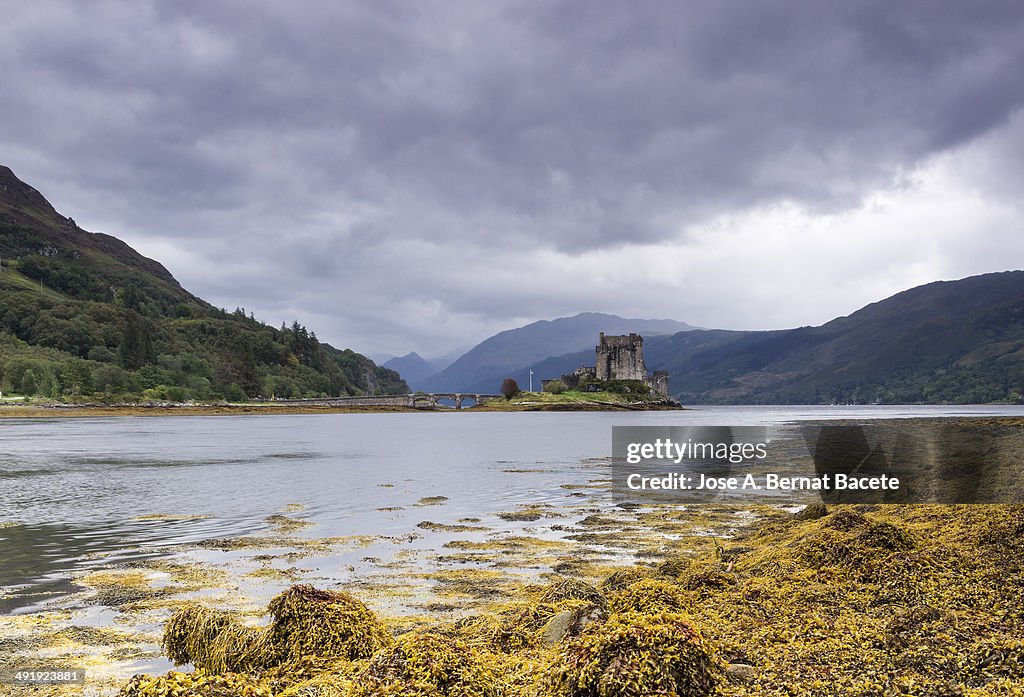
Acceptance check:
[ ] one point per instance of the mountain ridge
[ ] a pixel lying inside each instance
(24, 204)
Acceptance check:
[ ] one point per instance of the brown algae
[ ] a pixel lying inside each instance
(851, 601)
(431, 500)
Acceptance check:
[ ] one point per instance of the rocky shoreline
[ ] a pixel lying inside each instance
(8, 410)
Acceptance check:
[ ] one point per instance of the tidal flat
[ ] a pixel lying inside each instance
(555, 587)
(710, 600)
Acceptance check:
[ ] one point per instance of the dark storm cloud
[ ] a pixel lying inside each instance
(386, 151)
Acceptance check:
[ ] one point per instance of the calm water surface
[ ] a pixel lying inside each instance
(73, 488)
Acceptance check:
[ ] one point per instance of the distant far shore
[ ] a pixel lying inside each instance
(26, 411)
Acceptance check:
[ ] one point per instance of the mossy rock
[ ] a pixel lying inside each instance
(424, 663)
(332, 624)
(634, 654)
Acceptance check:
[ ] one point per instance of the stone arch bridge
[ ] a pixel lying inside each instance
(417, 400)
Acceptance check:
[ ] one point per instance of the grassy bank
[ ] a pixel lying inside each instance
(573, 400)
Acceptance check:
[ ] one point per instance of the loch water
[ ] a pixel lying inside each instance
(83, 493)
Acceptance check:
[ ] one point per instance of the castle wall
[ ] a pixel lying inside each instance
(659, 382)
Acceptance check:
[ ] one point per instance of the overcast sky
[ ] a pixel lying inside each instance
(419, 175)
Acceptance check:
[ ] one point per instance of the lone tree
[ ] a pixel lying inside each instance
(509, 388)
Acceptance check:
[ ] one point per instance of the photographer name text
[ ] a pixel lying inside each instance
(767, 482)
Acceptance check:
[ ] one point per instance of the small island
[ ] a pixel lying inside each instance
(617, 380)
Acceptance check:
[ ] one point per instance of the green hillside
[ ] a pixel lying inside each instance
(84, 315)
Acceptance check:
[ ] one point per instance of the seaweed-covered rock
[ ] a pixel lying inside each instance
(333, 624)
(708, 579)
(812, 511)
(846, 520)
(887, 536)
(307, 624)
(1001, 527)
(634, 654)
(573, 589)
(571, 621)
(523, 626)
(509, 629)
(650, 596)
(312, 676)
(430, 664)
(215, 642)
(198, 683)
(857, 544)
(673, 567)
(623, 578)
(323, 685)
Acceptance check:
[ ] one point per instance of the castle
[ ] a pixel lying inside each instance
(618, 358)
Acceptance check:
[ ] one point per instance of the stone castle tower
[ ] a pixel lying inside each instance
(621, 358)
(618, 358)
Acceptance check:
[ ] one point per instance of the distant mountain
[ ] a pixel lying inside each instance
(84, 314)
(950, 341)
(439, 363)
(411, 367)
(506, 354)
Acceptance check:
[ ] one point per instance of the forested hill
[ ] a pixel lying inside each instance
(84, 315)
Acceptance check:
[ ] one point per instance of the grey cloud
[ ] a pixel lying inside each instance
(322, 141)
